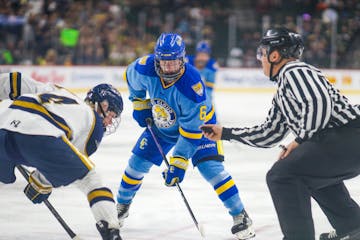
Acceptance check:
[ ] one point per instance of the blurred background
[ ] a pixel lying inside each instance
(115, 32)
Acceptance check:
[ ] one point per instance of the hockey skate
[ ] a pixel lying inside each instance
(123, 212)
(106, 232)
(353, 235)
(242, 227)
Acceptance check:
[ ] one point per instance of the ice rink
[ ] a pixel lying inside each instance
(158, 212)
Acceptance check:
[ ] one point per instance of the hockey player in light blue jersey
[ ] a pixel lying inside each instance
(49, 128)
(178, 105)
(206, 65)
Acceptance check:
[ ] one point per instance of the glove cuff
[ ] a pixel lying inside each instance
(179, 162)
(140, 104)
(39, 183)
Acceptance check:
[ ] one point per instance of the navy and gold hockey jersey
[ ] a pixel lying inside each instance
(45, 109)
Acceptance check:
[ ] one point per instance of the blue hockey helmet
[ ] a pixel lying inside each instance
(169, 46)
(203, 46)
(106, 93)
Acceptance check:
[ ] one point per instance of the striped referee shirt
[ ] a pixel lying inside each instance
(305, 103)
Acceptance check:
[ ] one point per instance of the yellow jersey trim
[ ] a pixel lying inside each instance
(85, 160)
(189, 134)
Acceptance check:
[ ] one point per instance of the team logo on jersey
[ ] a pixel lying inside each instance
(143, 143)
(198, 88)
(164, 115)
(15, 123)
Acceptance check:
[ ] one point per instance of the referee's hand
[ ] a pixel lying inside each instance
(212, 131)
(286, 150)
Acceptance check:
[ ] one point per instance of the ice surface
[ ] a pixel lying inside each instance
(158, 212)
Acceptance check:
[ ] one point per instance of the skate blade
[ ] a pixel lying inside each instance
(246, 234)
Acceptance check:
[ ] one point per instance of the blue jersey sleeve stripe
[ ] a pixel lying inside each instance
(191, 135)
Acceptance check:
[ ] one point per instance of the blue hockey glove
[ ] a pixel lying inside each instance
(142, 111)
(38, 189)
(176, 171)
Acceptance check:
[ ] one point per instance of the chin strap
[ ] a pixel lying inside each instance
(272, 64)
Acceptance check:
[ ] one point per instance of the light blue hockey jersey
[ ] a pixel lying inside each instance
(178, 109)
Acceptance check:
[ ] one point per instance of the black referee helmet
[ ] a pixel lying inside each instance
(289, 44)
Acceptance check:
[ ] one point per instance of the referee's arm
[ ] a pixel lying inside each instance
(266, 135)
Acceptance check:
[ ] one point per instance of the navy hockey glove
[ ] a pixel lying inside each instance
(142, 111)
(38, 189)
(176, 171)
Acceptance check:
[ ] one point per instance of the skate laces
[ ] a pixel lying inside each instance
(122, 209)
(242, 219)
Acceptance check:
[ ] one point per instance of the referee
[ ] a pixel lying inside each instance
(326, 149)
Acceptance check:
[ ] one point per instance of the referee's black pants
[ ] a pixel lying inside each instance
(317, 168)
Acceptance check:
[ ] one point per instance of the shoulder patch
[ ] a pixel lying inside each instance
(198, 88)
(145, 65)
(191, 85)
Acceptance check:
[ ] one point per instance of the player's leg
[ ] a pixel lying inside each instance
(208, 160)
(7, 164)
(130, 183)
(62, 164)
(145, 155)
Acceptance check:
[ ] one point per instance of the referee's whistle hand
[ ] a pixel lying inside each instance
(286, 150)
(212, 131)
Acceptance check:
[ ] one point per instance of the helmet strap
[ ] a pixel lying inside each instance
(98, 106)
(272, 64)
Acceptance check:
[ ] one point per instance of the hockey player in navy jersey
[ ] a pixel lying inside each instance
(178, 105)
(206, 65)
(49, 128)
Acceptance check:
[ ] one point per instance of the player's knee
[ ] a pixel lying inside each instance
(140, 164)
(210, 169)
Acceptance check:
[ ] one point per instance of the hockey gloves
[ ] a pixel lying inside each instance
(142, 111)
(176, 171)
(38, 189)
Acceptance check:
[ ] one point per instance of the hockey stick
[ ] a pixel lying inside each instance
(149, 123)
(25, 173)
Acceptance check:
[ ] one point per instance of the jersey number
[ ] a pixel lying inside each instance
(202, 113)
(47, 98)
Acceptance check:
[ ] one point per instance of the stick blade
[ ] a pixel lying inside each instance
(201, 228)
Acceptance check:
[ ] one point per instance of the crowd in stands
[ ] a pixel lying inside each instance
(115, 32)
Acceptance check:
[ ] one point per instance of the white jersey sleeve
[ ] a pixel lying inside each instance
(14, 84)
(57, 113)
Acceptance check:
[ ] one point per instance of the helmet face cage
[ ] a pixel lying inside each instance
(169, 46)
(107, 93)
(289, 44)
